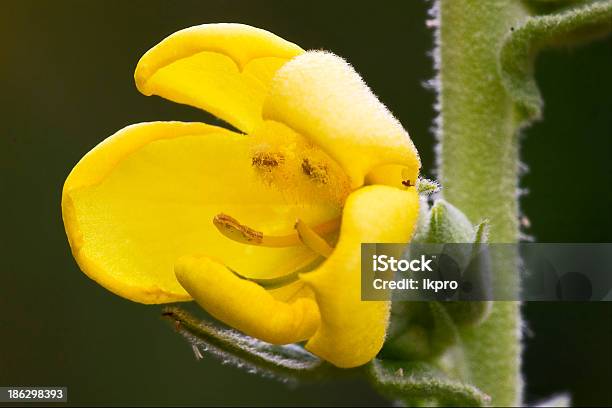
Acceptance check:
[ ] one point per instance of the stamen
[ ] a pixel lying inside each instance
(234, 230)
(313, 240)
(267, 160)
(231, 228)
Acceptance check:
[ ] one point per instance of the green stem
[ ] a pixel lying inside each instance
(479, 167)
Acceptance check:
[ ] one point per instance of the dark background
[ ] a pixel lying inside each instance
(66, 83)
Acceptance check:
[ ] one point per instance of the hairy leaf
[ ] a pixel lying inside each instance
(420, 383)
(286, 363)
(569, 26)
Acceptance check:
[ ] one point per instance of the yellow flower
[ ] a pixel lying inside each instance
(172, 211)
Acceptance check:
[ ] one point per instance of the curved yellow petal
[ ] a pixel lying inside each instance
(224, 69)
(352, 331)
(148, 195)
(244, 305)
(322, 97)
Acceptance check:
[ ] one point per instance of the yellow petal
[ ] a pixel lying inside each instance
(352, 331)
(148, 194)
(244, 305)
(224, 69)
(322, 97)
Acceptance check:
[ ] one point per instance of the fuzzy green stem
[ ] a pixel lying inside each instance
(479, 166)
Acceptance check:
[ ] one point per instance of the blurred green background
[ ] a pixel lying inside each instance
(66, 83)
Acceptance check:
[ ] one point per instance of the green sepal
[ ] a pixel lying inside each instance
(471, 313)
(444, 333)
(286, 363)
(411, 343)
(418, 384)
(421, 331)
(426, 186)
(425, 330)
(448, 224)
(481, 233)
(571, 25)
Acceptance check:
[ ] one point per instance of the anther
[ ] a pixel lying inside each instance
(267, 161)
(231, 228)
(315, 171)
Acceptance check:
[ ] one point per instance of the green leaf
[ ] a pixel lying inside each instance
(421, 383)
(448, 224)
(569, 26)
(287, 363)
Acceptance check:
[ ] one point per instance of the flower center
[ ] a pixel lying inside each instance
(312, 185)
(286, 161)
